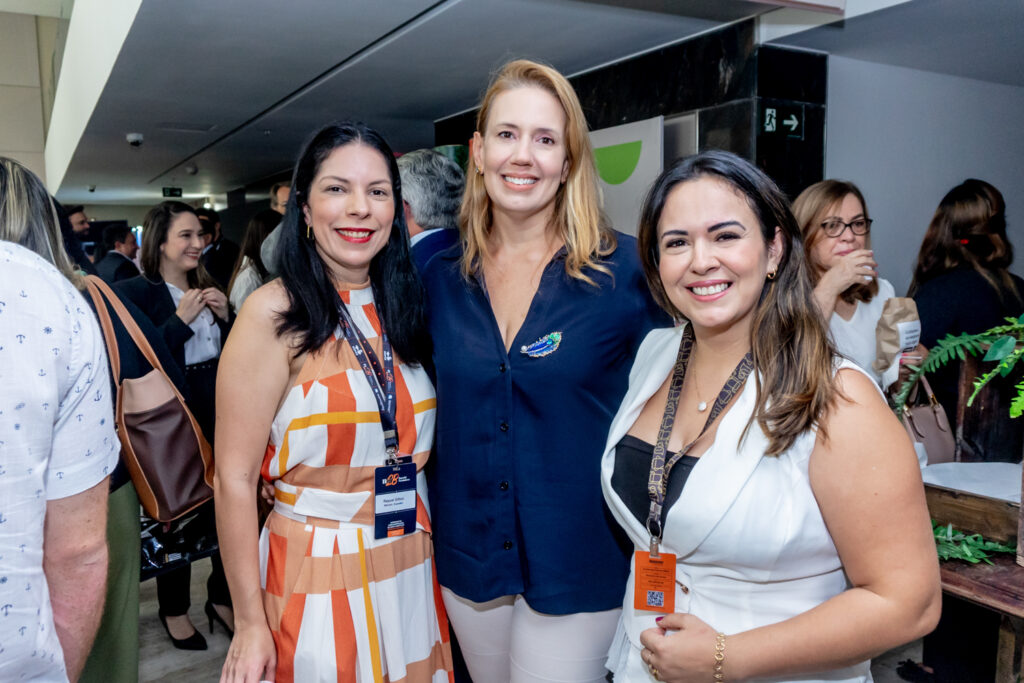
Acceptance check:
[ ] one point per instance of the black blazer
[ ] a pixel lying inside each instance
(153, 299)
(219, 260)
(115, 267)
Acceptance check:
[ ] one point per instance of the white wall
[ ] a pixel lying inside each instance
(906, 137)
(97, 31)
(21, 102)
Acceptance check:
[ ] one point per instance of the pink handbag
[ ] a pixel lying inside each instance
(926, 424)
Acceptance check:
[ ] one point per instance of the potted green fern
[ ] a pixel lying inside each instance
(1003, 344)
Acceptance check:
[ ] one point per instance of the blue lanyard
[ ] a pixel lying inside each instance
(381, 378)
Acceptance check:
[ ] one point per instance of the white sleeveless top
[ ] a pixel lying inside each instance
(855, 338)
(752, 548)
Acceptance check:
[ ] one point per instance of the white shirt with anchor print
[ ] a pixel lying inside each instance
(56, 439)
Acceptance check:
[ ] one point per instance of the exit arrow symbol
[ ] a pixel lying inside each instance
(792, 122)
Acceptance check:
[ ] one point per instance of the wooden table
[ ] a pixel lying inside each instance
(998, 587)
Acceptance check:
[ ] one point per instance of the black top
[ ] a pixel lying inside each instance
(219, 260)
(435, 242)
(632, 471)
(115, 267)
(960, 301)
(154, 299)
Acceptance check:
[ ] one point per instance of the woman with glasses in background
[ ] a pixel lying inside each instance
(836, 227)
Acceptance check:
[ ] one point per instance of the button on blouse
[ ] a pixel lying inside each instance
(204, 344)
(521, 433)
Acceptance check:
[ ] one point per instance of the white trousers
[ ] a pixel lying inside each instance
(505, 641)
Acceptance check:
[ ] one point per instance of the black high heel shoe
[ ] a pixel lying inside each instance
(212, 615)
(193, 642)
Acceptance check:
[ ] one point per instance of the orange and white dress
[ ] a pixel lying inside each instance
(343, 606)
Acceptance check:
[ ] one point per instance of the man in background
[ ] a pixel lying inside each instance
(279, 195)
(220, 256)
(79, 221)
(432, 186)
(71, 242)
(80, 227)
(122, 247)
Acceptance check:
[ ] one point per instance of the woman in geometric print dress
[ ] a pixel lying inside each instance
(318, 597)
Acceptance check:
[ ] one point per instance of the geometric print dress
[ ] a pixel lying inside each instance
(343, 606)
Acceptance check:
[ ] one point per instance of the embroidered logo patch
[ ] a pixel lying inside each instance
(544, 346)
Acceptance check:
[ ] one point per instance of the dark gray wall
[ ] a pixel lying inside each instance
(907, 136)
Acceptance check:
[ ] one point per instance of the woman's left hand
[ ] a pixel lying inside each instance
(686, 654)
(217, 302)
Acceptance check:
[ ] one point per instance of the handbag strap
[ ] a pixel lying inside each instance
(927, 390)
(129, 324)
(147, 351)
(107, 326)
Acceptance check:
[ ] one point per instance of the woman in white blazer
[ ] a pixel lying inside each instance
(790, 540)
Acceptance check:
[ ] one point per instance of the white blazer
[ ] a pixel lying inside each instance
(751, 546)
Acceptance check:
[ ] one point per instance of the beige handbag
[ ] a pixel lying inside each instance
(926, 423)
(170, 462)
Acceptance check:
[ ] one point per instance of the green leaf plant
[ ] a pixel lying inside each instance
(956, 545)
(1002, 345)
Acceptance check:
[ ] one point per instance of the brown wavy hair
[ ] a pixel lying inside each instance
(155, 226)
(968, 229)
(577, 217)
(810, 209)
(793, 356)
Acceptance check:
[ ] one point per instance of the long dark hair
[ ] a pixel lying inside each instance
(155, 226)
(788, 339)
(968, 229)
(312, 313)
(260, 225)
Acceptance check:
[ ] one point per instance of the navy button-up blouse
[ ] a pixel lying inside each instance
(515, 491)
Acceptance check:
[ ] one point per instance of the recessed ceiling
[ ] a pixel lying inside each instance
(979, 40)
(235, 86)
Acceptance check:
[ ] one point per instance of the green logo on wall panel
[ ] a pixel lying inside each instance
(615, 163)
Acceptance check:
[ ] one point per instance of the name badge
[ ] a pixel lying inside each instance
(654, 582)
(394, 504)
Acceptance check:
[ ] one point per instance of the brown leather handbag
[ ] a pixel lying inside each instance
(170, 462)
(926, 423)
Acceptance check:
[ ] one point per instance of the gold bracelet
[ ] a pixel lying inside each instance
(719, 657)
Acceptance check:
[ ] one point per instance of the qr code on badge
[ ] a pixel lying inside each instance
(655, 598)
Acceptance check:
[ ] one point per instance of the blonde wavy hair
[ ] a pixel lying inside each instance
(29, 218)
(577, 216)
(810, 208)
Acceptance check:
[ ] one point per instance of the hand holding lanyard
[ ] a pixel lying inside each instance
(654, 572)
(394, 482)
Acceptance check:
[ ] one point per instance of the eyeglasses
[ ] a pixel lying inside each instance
(834, 227)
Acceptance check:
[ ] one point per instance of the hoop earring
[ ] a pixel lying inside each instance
(771, 275)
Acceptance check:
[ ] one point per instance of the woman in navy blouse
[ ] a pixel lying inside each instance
(535, 316)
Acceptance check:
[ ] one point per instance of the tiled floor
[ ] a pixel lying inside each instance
(161, 663)
(158, 659)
